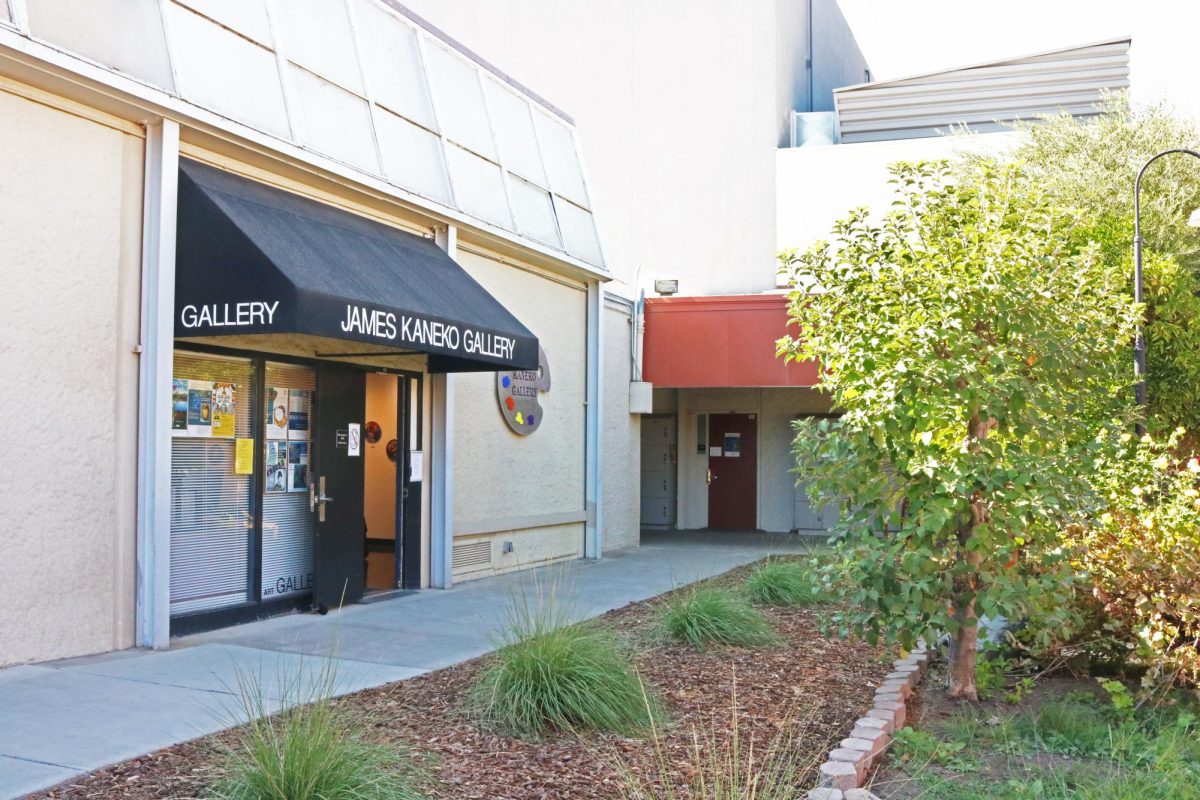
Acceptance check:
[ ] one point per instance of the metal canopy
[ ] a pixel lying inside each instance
(252, 259)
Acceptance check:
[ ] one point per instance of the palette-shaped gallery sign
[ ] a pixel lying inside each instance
(518, 392)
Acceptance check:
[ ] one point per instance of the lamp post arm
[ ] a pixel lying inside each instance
(1139, 342)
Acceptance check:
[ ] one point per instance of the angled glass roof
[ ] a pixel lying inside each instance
(358, 81)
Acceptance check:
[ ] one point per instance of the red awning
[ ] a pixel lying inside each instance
(695, 342)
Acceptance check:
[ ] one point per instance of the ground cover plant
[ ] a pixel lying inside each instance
(954, 334)
(550, 676)
(1069, 739)
(784, 582)
(823, 683)
(712, 616)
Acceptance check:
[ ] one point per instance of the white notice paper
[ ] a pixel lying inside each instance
(416, 465)
(353, 440)
(714, 451)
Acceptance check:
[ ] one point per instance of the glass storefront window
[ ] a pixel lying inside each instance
(212, 505)
(287, 529)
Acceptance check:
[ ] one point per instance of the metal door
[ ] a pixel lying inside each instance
(659, 459)
(732, 471)
(336, 491)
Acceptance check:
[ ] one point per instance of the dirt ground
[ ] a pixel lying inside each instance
(817, 685)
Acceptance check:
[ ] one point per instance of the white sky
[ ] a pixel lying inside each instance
(903, 37)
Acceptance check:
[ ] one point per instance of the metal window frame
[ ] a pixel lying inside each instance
(156, 348)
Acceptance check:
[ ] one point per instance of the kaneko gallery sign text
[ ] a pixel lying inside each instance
(355, 322)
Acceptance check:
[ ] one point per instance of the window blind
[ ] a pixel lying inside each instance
(288, 527)
(212, 508)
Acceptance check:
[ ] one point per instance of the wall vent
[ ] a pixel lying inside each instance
(472, 555)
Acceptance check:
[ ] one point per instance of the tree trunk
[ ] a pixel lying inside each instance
(966, 638)
(961, 675)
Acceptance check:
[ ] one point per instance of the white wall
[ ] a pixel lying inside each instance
(70, 212)
(620, 431)
(819, 185)
(678, 108)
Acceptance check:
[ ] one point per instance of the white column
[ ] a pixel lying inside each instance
(593, 543)
(154, 384)
(441, 512)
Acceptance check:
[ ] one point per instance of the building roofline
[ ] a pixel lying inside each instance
(1128, 40)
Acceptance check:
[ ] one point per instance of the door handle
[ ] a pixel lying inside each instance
(317, 499)
(710, 476)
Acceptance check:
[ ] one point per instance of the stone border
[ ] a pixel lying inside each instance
(846, 769)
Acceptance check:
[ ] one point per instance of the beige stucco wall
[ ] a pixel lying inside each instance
(522, 486)
(70, 206)
(775, 409)
(620, 446)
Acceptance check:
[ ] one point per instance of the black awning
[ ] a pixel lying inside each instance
(252, 259)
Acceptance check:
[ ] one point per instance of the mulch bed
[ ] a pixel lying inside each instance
(821, 685)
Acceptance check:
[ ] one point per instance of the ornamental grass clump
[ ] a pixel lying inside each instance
(784, 583)
(550, 676)
(310, 751)
(725, 763)
(710, 616)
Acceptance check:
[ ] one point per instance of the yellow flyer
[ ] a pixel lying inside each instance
(223, 415)
(243, 461)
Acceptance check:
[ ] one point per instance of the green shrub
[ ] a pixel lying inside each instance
(989, 674)
(1142, 556)
(551, 676)
(784, 583)
(709, 616)
(308, 752)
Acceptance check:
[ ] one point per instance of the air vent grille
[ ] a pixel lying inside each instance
(472, 555)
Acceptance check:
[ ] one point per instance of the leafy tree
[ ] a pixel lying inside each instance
(1090, 164)
(974, 342)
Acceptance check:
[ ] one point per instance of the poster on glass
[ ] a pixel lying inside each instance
(277, 413)
(276, 470)
(298, 405)
(297, 465)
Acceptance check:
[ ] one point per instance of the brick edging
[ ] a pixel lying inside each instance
(846, 768)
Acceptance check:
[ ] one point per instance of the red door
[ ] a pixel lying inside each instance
(733, 471)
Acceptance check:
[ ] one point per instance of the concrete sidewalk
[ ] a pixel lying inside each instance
(63, 719)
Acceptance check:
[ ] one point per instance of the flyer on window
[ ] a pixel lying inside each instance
(199, 414)
(276, 470)
(297, 459)
(223, 411)
(277, 413)
(298, 405)
(179, 407)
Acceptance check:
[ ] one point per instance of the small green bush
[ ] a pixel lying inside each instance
(551, 676)
(783, 583)
(708, 616)
(308, 752)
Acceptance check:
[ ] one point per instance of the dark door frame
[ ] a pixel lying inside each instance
(408, 491)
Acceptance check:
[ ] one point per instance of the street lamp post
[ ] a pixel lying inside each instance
(1139, 342)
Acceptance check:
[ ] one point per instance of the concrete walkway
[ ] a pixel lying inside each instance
(62, 719)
